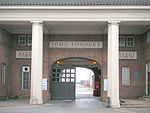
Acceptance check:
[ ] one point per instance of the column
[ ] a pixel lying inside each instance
(36, 63)
(113, 63)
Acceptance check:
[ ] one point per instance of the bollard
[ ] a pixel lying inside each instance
(108, 103)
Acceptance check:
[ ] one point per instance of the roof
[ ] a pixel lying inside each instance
(72, 2)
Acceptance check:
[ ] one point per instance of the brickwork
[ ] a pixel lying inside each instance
(50, 56)
(95, 54)
(137, 86)
(4, 58)
(16, 69)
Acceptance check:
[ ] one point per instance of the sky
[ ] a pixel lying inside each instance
(83, 74)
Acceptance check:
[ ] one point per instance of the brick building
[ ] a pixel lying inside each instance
(112, 38)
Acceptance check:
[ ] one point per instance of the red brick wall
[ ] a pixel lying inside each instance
(50, 56)
(4, 58)
(137, 86)
(16, 69)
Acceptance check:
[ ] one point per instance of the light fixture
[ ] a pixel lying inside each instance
(58, 62)
(93, 62)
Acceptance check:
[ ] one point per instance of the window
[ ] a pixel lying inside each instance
(130, 41)
(3, 70)
(22, 40)
(148, 67)
(148, 37)
(122, 41)
(63, 75)
(29, 40)
(25, 77)
(126, 76)
(3, 36)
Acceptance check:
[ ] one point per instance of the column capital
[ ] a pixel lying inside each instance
(114, 22)
(36, 22)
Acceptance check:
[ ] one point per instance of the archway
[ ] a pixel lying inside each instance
(85, 83)
(63, 77)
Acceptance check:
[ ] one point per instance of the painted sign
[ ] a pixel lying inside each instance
(127, 55)
(75, 44)
(105, 85)
(122, 55)
(44, 84)
(23, 54)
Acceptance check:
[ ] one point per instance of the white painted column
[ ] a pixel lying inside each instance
(113, 63)
(37, 63)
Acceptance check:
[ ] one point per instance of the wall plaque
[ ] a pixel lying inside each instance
(75, 44)
(23, 54)
(105, 85)
(44, 84)
(122, 55)
(127, 55)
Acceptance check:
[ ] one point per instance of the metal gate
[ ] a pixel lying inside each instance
(63, 83)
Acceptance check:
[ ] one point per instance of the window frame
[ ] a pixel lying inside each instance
(3, 73)
(123, 37)
(148, 37)
(4, 36)
(23, 77)
(28, 40)
(19, 37)
(129, 82)
(127, 37)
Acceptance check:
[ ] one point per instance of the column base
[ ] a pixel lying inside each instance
(36, 101)
(115, 104)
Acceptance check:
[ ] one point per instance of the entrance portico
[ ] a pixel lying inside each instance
(76, 21)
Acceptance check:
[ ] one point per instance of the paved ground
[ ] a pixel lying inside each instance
(83, 92)
(84, 103)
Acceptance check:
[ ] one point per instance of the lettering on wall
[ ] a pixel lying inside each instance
(127, 55)
(23, 54)
(122, 55)
(75, 44)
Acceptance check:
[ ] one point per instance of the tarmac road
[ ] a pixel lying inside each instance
(84, 103)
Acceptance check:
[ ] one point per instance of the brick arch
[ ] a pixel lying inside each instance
(54, 60)
(99, 55)
(95, 69)
(98, 64)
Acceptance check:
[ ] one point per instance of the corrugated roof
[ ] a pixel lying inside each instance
(73, 2)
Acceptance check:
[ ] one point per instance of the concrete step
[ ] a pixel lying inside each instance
(146, 98)
(135, 106)
(135, 103)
